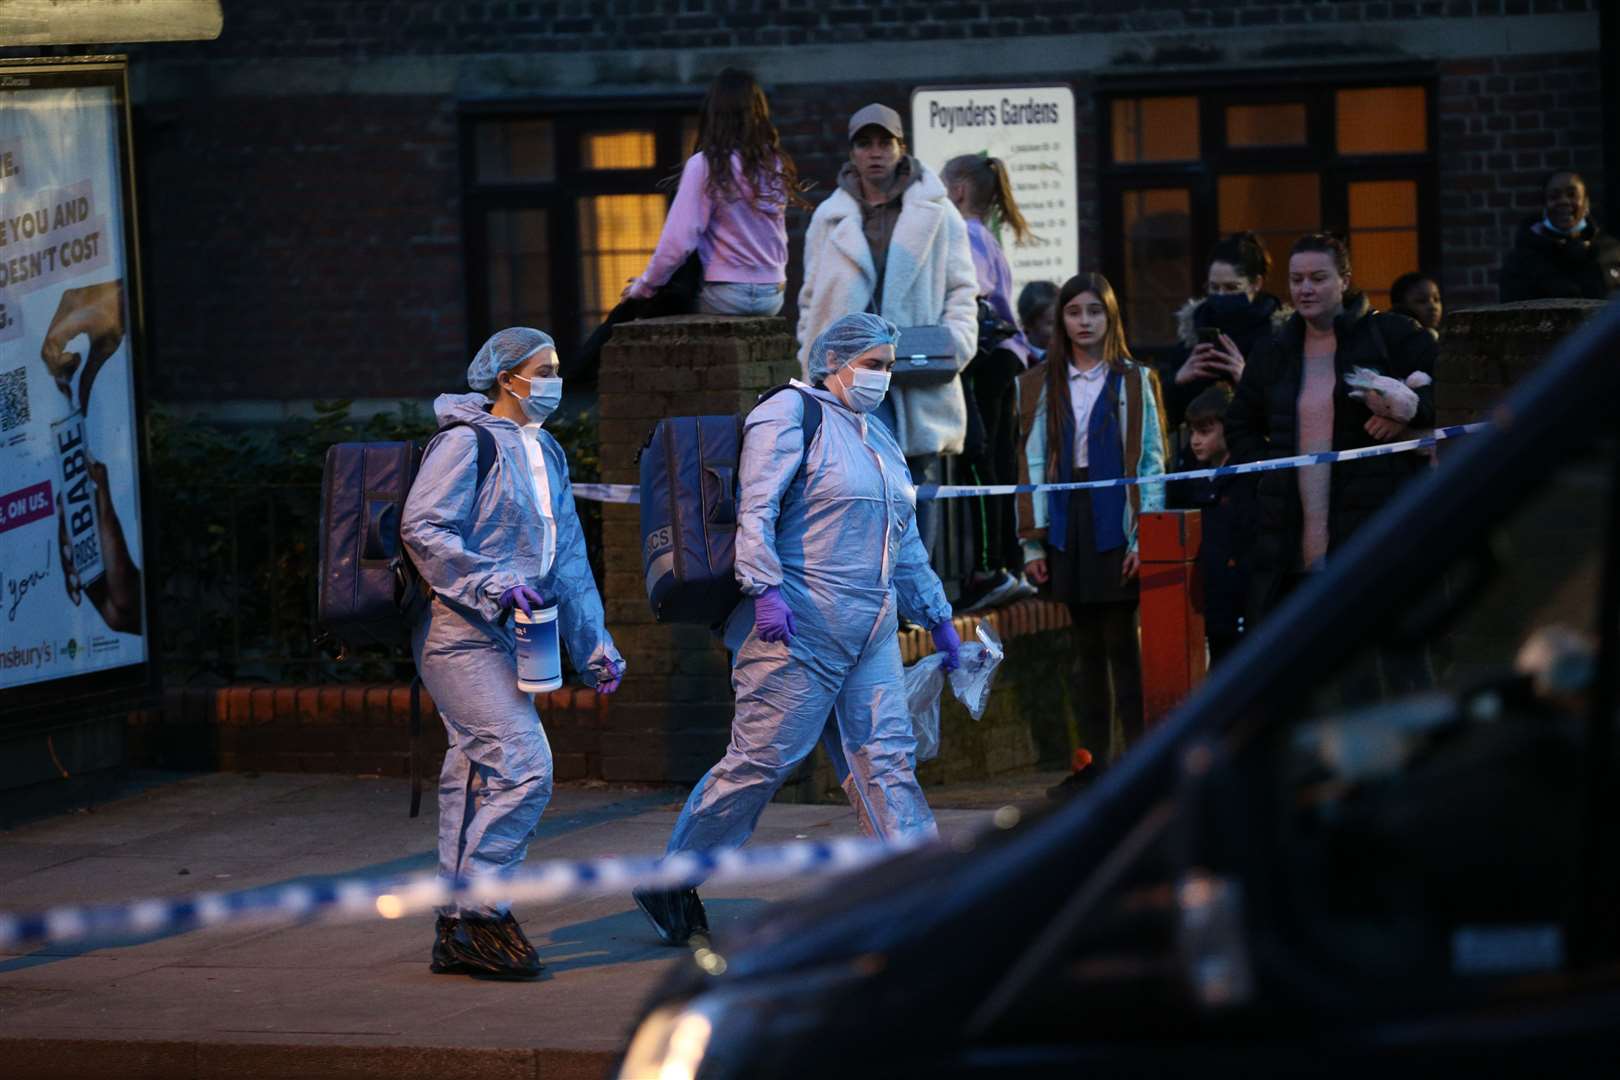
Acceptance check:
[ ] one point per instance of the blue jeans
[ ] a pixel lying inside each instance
(739, 298)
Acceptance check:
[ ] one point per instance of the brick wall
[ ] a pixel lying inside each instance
(270, 29)
(273, 267)
(668, 724)
(274, 270)
(1505, 123)
(672, 716)
(363, 729)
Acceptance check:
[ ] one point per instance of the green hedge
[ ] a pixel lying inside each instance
(234, 515)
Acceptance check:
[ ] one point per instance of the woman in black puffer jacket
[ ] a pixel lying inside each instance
(1293, 399)
(1236, 307)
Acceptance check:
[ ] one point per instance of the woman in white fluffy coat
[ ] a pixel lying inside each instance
(929, 280)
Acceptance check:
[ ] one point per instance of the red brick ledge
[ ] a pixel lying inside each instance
(1026, 617)
(350, 705)
(363, 728)
(375, 705)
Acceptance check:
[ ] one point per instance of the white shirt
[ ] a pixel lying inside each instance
(542, 492)
(1085, 387)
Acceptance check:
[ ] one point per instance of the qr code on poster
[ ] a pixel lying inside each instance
(13, 399)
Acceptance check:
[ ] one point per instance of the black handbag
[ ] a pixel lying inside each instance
(925, 356)
(677, 296)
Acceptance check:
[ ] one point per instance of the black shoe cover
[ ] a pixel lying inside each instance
(677, 914)
(444, 960)
(494, 947)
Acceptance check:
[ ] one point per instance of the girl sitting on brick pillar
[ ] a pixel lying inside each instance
(731, 206)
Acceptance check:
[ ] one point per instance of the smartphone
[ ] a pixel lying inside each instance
(1209, 335)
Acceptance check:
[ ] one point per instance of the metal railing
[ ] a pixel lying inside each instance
(236, 594)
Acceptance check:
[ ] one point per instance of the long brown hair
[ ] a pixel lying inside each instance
(736, 119)
(989, 191)
(1115, 352)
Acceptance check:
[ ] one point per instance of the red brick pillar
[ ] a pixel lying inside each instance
(672, 718)
(1172, 609)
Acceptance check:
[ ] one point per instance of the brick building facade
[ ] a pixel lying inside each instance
(306, 180)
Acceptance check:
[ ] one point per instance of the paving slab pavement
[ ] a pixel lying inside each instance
(335, 999)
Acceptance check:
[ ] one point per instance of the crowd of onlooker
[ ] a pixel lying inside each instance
(1042, 386)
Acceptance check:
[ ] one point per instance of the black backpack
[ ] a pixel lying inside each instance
(368, 587)
(689, 498)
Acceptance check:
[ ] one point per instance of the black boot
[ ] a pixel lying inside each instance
(677, 914)
(444, 959)
(493, 946)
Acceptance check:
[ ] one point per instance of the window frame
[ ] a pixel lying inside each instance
(571, 118)
(1316, 89)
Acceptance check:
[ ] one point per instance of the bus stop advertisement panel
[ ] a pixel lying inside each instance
(73, 617)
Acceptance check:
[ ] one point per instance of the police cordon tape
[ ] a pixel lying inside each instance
(391, 898)
(631, 494)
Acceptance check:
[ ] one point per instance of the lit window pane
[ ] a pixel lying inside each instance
(1280, 207)
(1383, 204)
(1158, 263)
(619, 150)
(510, 150)
(1265, 125)
(519, 268)
(1155, 129)
(617, 234)
(1383, 235)
(1383, 120)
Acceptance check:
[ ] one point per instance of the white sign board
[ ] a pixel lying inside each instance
(1031, 129)
(71, 597)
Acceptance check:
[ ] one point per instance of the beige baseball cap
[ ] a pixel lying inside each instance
(879, 115)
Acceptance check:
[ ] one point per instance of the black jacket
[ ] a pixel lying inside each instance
(1247, 327)
(1262, 422)
(1544, 265)
(1229, 519)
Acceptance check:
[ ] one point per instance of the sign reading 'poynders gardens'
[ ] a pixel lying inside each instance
(1031, 129)
(70, 535)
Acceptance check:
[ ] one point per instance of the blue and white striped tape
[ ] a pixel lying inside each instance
(357, 898)
(609, 493)
(631, 494)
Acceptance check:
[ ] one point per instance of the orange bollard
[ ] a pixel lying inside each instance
(1173, 660)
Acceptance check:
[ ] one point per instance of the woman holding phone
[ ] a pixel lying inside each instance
(1216, 333)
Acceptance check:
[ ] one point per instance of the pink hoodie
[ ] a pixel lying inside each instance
(736, 240)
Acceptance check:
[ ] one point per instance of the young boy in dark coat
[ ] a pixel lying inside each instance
(1230, 516)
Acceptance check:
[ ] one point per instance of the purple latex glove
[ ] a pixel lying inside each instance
(772, 617)
(946, 641)
(610, 684)
(524, 598)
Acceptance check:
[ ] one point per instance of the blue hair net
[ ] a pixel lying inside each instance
(846, 339)
(506, 349)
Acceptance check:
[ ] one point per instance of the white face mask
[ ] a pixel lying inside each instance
(544, 397)
(866, 389)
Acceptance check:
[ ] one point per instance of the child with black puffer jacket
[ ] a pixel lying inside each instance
(1230, 515)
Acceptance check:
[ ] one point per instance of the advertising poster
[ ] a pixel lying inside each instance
(71, 596)
(1031, 129)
